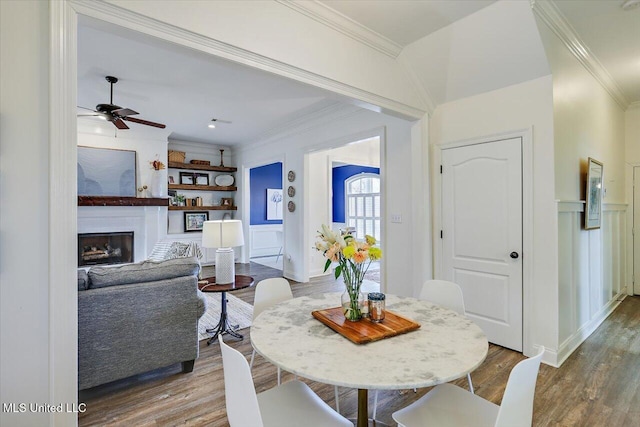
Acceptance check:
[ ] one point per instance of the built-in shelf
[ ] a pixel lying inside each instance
(200, 187)
(203, 208)
(121, 201)
(178, 165)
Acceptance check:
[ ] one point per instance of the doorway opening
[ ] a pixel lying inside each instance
(347, 196)
(266, 218)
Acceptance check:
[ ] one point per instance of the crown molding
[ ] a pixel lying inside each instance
(332, 18)
(131, 20)
(558, 23)
(634, 106)
(422, 91)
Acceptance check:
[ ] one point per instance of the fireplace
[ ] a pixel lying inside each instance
(105, 248)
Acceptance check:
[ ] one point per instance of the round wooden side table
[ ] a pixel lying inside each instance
(223, 326)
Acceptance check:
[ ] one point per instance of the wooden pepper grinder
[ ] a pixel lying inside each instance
(221, 159)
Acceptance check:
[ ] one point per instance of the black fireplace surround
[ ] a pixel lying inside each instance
(105, 248)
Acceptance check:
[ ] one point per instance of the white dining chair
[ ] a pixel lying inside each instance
(269, 292)
(449, 405)
(293, 404)
(443, 293)
(446, 294)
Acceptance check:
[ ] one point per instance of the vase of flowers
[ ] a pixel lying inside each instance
(353, 258)
(156, 178)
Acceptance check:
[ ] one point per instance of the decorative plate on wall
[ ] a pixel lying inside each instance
(291, 191)
(291, 176)
(224, 180)
(291, 206)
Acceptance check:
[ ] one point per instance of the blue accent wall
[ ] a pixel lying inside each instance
(338, 176)
(261, 178)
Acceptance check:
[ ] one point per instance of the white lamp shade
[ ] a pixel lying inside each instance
(222, 234)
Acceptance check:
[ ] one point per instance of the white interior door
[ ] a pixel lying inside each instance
(482, 234)
(636, 230)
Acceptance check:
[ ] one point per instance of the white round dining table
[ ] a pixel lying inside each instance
(447, 346)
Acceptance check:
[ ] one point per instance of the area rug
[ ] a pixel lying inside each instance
(239, 313)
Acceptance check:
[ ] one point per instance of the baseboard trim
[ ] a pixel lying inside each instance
(573, 342)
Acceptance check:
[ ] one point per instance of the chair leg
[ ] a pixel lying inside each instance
(279, 254)
(375, 405)
(337, 399)
(253, 354)
(470, 384)
(278, 375)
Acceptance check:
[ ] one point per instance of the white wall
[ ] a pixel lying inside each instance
(495, 47)
(272, 30)
(632, 135)
(398, 190)
(592, 263)
(24, 221)
(524, 106)
(318, 169)
(632, 159)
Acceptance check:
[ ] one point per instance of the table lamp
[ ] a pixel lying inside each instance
(223, 235)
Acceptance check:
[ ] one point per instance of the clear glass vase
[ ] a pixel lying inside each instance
(352, 305)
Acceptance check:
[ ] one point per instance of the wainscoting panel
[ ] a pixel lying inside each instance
(592, 271)
(264, 241)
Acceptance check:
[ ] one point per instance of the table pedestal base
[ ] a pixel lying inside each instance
(363, 419)
(223, 326)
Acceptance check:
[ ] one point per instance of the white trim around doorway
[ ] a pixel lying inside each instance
(62, 346)
(527, 218)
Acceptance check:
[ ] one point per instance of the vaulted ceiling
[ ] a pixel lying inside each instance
(453, 49)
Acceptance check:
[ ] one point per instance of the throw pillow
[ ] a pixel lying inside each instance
(177, 250)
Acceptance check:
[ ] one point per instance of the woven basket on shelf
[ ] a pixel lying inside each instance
(176, 156)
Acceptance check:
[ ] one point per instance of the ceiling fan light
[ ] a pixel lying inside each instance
(211, 126)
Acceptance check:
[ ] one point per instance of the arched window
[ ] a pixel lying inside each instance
(363, 204)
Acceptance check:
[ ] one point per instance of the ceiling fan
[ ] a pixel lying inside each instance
(116, 114)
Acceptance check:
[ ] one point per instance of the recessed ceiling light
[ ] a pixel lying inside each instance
(630, 4)
(212, 126)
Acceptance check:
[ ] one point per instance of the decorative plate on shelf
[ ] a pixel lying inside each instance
(291, 206)
(224, 180)
(291, 191)
(291, 176)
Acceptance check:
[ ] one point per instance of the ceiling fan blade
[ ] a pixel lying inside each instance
(144, 122)
(120, 124)
(88, 115)
(221, 121)
(85, 108)
(122, 112)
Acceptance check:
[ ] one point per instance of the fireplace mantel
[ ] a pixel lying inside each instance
(121, 201)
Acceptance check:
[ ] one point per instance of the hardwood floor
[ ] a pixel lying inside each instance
(598, 385)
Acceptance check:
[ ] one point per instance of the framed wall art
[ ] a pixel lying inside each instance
(202, 178)
(194, 221)
(593, 206)
(187, 178)
(106, 172)
(274, 203)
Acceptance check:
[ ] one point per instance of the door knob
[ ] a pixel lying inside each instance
(514, 255)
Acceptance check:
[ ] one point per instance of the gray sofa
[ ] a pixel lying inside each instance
(137, 317)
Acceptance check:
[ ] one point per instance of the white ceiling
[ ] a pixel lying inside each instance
(405, 21)
(185, 89)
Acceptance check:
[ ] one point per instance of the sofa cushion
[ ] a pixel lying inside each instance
(83, 280)
(146, 271)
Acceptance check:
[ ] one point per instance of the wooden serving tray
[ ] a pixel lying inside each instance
(365, 330)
